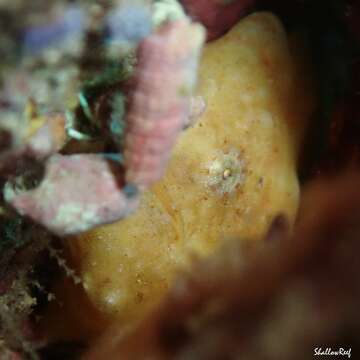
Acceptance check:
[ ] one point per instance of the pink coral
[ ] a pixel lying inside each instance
(167, 64)
(77, 193)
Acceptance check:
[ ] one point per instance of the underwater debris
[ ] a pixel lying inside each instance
(157, 113)
(196, 109)
(62, 264)
(9, 137)
(50, 137)
(130, 22)
(70, 25)
(102, 103)
(166, 10)
(15, 306)
(45, 141)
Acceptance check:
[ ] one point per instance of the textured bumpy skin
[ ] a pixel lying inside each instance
(230, 174)
(267, 300)
(166, 74)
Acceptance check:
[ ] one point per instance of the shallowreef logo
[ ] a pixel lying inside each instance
(332, 352)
